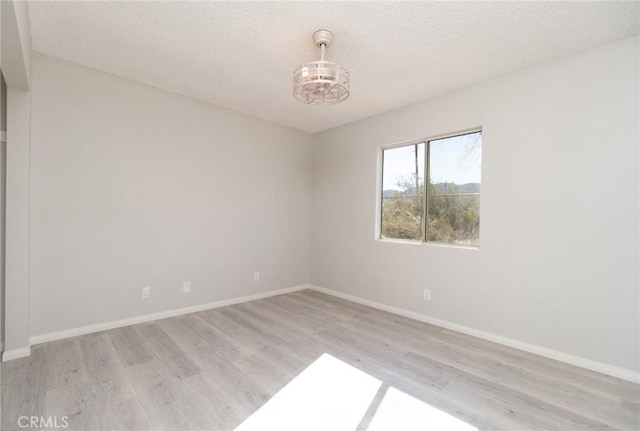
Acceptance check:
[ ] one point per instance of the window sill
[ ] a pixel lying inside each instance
(400, 241)
(428, 243)
(447, 245)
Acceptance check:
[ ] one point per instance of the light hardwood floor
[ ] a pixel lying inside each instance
(211, 370)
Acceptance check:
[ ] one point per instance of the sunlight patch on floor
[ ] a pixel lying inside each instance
(399, 411)
(328, 395)
(332, 395)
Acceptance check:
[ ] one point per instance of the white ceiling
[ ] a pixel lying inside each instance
(241, 55)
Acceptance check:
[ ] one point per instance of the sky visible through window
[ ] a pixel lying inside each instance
(455, 159)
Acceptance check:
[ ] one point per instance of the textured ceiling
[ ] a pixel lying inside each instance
(241, 55)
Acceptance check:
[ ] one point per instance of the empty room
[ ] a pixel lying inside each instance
(320, 215)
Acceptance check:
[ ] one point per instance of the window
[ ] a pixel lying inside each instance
(448, 211)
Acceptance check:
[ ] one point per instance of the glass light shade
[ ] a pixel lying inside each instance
(321, 83)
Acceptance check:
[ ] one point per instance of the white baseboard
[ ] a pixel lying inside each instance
(621, 373)
(74, 332)
(611, 370)
(22, 352)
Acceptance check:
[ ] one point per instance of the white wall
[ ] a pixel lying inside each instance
(16, 327)
(132, 186)
(558, 261)
(16, 69)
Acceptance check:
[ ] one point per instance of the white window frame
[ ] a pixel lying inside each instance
(379, 190)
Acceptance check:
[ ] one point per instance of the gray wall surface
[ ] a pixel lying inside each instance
(132, 186)
(558, 260)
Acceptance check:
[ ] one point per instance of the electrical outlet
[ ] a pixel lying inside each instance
(145, 293)
(186, 286)
(427, 295)
(256, 276)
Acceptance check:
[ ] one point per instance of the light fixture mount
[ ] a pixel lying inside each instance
(322, 37)
(321, 82)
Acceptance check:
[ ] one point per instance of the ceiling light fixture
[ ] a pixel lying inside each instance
(321, 82)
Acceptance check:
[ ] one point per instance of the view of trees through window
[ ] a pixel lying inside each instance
(450, 211)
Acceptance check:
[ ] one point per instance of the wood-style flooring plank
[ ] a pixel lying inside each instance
(234, 330)
(169, 401)
(104, 370)
(178, 362)
(213, 369)
(591, 404)
(24, 387)
(130, 346)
